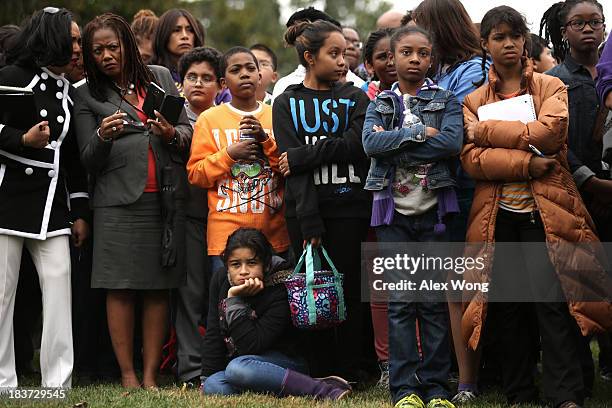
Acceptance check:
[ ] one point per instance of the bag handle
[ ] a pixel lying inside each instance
(337, 284)
(313, 264)
(316, 260)
(310, 300)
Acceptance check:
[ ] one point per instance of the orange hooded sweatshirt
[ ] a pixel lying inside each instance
(240, 193)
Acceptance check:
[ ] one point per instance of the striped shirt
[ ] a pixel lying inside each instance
(516, 196)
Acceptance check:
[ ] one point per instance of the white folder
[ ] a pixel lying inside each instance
(517, 108)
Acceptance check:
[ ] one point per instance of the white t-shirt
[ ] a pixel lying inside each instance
(298, 76)
(410, 192)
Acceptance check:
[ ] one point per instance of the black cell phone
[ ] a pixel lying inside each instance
(171, 108)
(153, 100)
(18, 108)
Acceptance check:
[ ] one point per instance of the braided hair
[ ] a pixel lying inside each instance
(133, 68)
(554, 20)
(495, 17)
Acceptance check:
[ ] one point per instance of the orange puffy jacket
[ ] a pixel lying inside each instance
(500, 153)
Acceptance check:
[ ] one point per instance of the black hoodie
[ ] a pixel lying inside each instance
(326, 158)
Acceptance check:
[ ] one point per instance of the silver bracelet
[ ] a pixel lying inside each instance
(109, 140)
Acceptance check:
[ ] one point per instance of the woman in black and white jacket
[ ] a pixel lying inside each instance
(43, 189)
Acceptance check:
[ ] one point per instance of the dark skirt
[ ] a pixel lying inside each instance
(128, 247)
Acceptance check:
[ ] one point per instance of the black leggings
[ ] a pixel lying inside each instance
(340, 351)
(560, 338)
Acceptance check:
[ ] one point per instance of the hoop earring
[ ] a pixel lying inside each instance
(566, 45)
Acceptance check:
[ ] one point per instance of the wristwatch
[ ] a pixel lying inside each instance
(173, 141)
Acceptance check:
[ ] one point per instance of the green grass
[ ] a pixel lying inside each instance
(172, 396)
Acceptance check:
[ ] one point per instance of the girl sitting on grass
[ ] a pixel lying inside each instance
(250, 343)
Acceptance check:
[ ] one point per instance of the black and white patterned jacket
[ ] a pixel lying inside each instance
(41, 190)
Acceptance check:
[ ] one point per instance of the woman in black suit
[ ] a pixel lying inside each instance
(43, 188)
(138, 168)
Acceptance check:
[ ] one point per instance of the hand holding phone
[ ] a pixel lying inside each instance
(153, 100)
(171, 108)
(161, 127)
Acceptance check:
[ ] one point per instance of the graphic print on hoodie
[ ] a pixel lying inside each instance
(240, 193)
(321, 133)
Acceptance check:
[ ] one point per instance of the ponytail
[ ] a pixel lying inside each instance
(309, 36)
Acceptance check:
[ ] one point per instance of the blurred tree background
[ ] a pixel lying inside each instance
(227, 22)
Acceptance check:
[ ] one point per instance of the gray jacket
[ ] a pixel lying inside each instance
(119, 169)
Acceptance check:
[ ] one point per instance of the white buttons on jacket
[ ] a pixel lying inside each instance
(51, 173)
(43, 87)
(43, 113)
(54, 143)
(29, 171)
(44, 75)
(60, 83)
(60, 119)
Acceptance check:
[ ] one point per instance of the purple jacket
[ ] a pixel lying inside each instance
(604, 72)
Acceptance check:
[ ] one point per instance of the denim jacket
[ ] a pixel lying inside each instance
(584, 155)
(436, 108)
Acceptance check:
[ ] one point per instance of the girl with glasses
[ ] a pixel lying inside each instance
(576, 29)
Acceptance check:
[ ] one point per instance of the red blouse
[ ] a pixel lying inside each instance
(151, 184)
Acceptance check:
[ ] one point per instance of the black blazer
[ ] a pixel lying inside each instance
(119, 169)
(41, 190)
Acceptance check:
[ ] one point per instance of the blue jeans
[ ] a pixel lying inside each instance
(262, 373)
(409, 372)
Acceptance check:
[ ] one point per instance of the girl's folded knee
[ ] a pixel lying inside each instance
(239, 372)
(216, 385)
